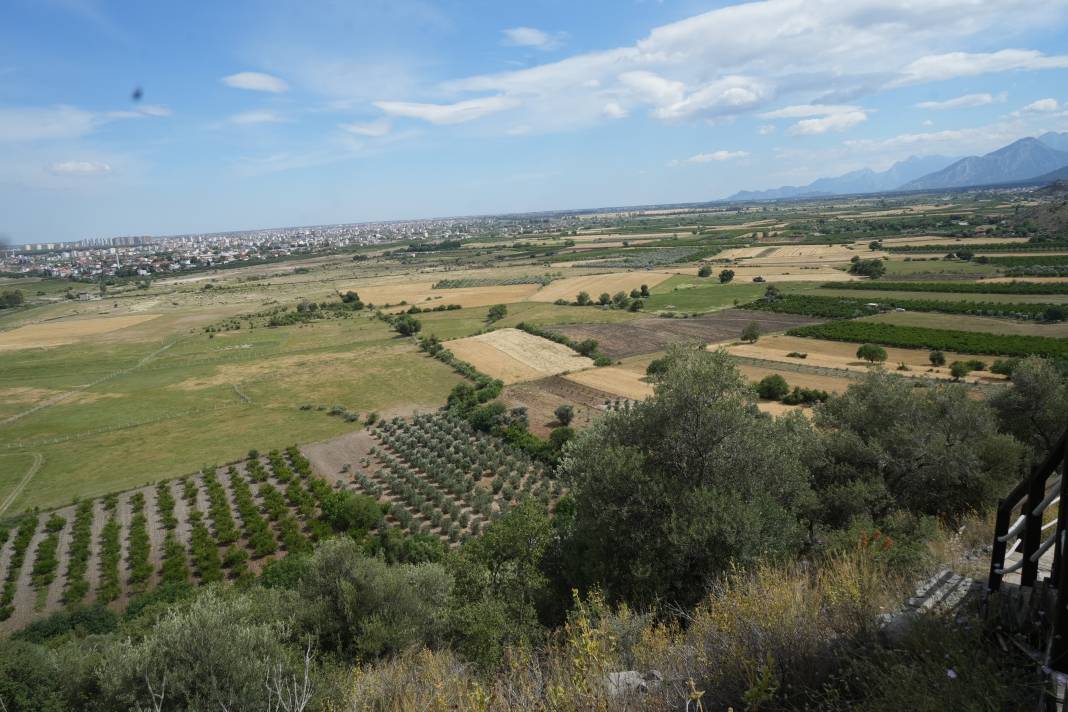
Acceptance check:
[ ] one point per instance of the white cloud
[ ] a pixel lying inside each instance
(799, 111)
(1042, 106)
(834, 122)
(951, 65)
(766, 129)
(258, 116)
(716, 156)
(612, 110)
(460, 112)
(256, 81)
(79, 168)
(735, 60)
(373, 128)
(530, 37)
(730, 95)
(967, 101)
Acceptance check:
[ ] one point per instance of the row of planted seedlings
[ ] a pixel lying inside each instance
(441, 442)
(420, 506)
(435, 455)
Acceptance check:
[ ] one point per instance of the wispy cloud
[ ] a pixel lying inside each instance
(256, 81)
(79, 168)
(1042, 106)
(258, 116)
(373, 128)
(457, 113)
(951, 65)
(531, 37)
(711, 157)
(967, 101)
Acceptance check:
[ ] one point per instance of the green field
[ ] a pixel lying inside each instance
(899, 267)
(204, 400)
(687, 293)
(878, 295)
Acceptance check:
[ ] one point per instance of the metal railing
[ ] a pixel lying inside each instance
(1019, 527)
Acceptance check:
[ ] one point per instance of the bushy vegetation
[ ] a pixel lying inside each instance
(494, 281)
(917, 337)
(1049, 245)
(138, 546)
(23, 535)
(77, 585)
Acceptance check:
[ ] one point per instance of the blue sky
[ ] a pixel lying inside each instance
(261, 113)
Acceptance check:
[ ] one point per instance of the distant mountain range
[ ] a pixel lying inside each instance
(1042, 159)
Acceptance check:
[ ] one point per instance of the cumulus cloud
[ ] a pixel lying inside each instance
(530, 37)
(967, 101)
(737, 59)
(79, 168)
(612, 110)
(825, 124)
(373, 128)
(256, 81)
(951, 65)
(460, 112)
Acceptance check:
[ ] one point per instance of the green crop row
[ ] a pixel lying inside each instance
(23, 536)
(938, 339)
(110, 556)
(139, 547)
(981, 247)
(953, 287)
(81, 538)
(844, 307)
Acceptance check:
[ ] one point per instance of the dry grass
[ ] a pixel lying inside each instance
(768, 639)
(622, 382)
(595, 284)
(841, 355)
(59, 333)
(513, 355)
(423, 295)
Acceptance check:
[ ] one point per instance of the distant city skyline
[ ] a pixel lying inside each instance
(122, 118)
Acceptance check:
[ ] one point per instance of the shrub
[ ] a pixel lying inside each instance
(751, 332)
(772, 387)
(871, 353)
(564, 414)
(726, 276)
(704, 271)
(937, 358)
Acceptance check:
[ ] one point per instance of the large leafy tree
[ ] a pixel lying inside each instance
(672, 491)
(890, 445)
(1035, 407)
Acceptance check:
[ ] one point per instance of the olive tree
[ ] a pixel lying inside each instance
(1034, 407)
(872, 353)
(673, 490)
(890, 445)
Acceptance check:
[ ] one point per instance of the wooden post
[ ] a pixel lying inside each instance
(997, 554)
(1032, 533)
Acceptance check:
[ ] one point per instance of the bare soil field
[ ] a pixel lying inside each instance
(513, 355)
(801, 273)
(645, 336)
(59, 333)
(798, 255)
(541, 398)
(423, 295)
(595, 284)
(839, 355)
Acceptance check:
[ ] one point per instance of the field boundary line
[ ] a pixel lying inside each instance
(74, 391)
(35, 466)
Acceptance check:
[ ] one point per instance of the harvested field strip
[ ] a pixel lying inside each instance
(956, 287)
(596, 284)
(645, 336)
(617, 381)
(513, 355)
(942, 339)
